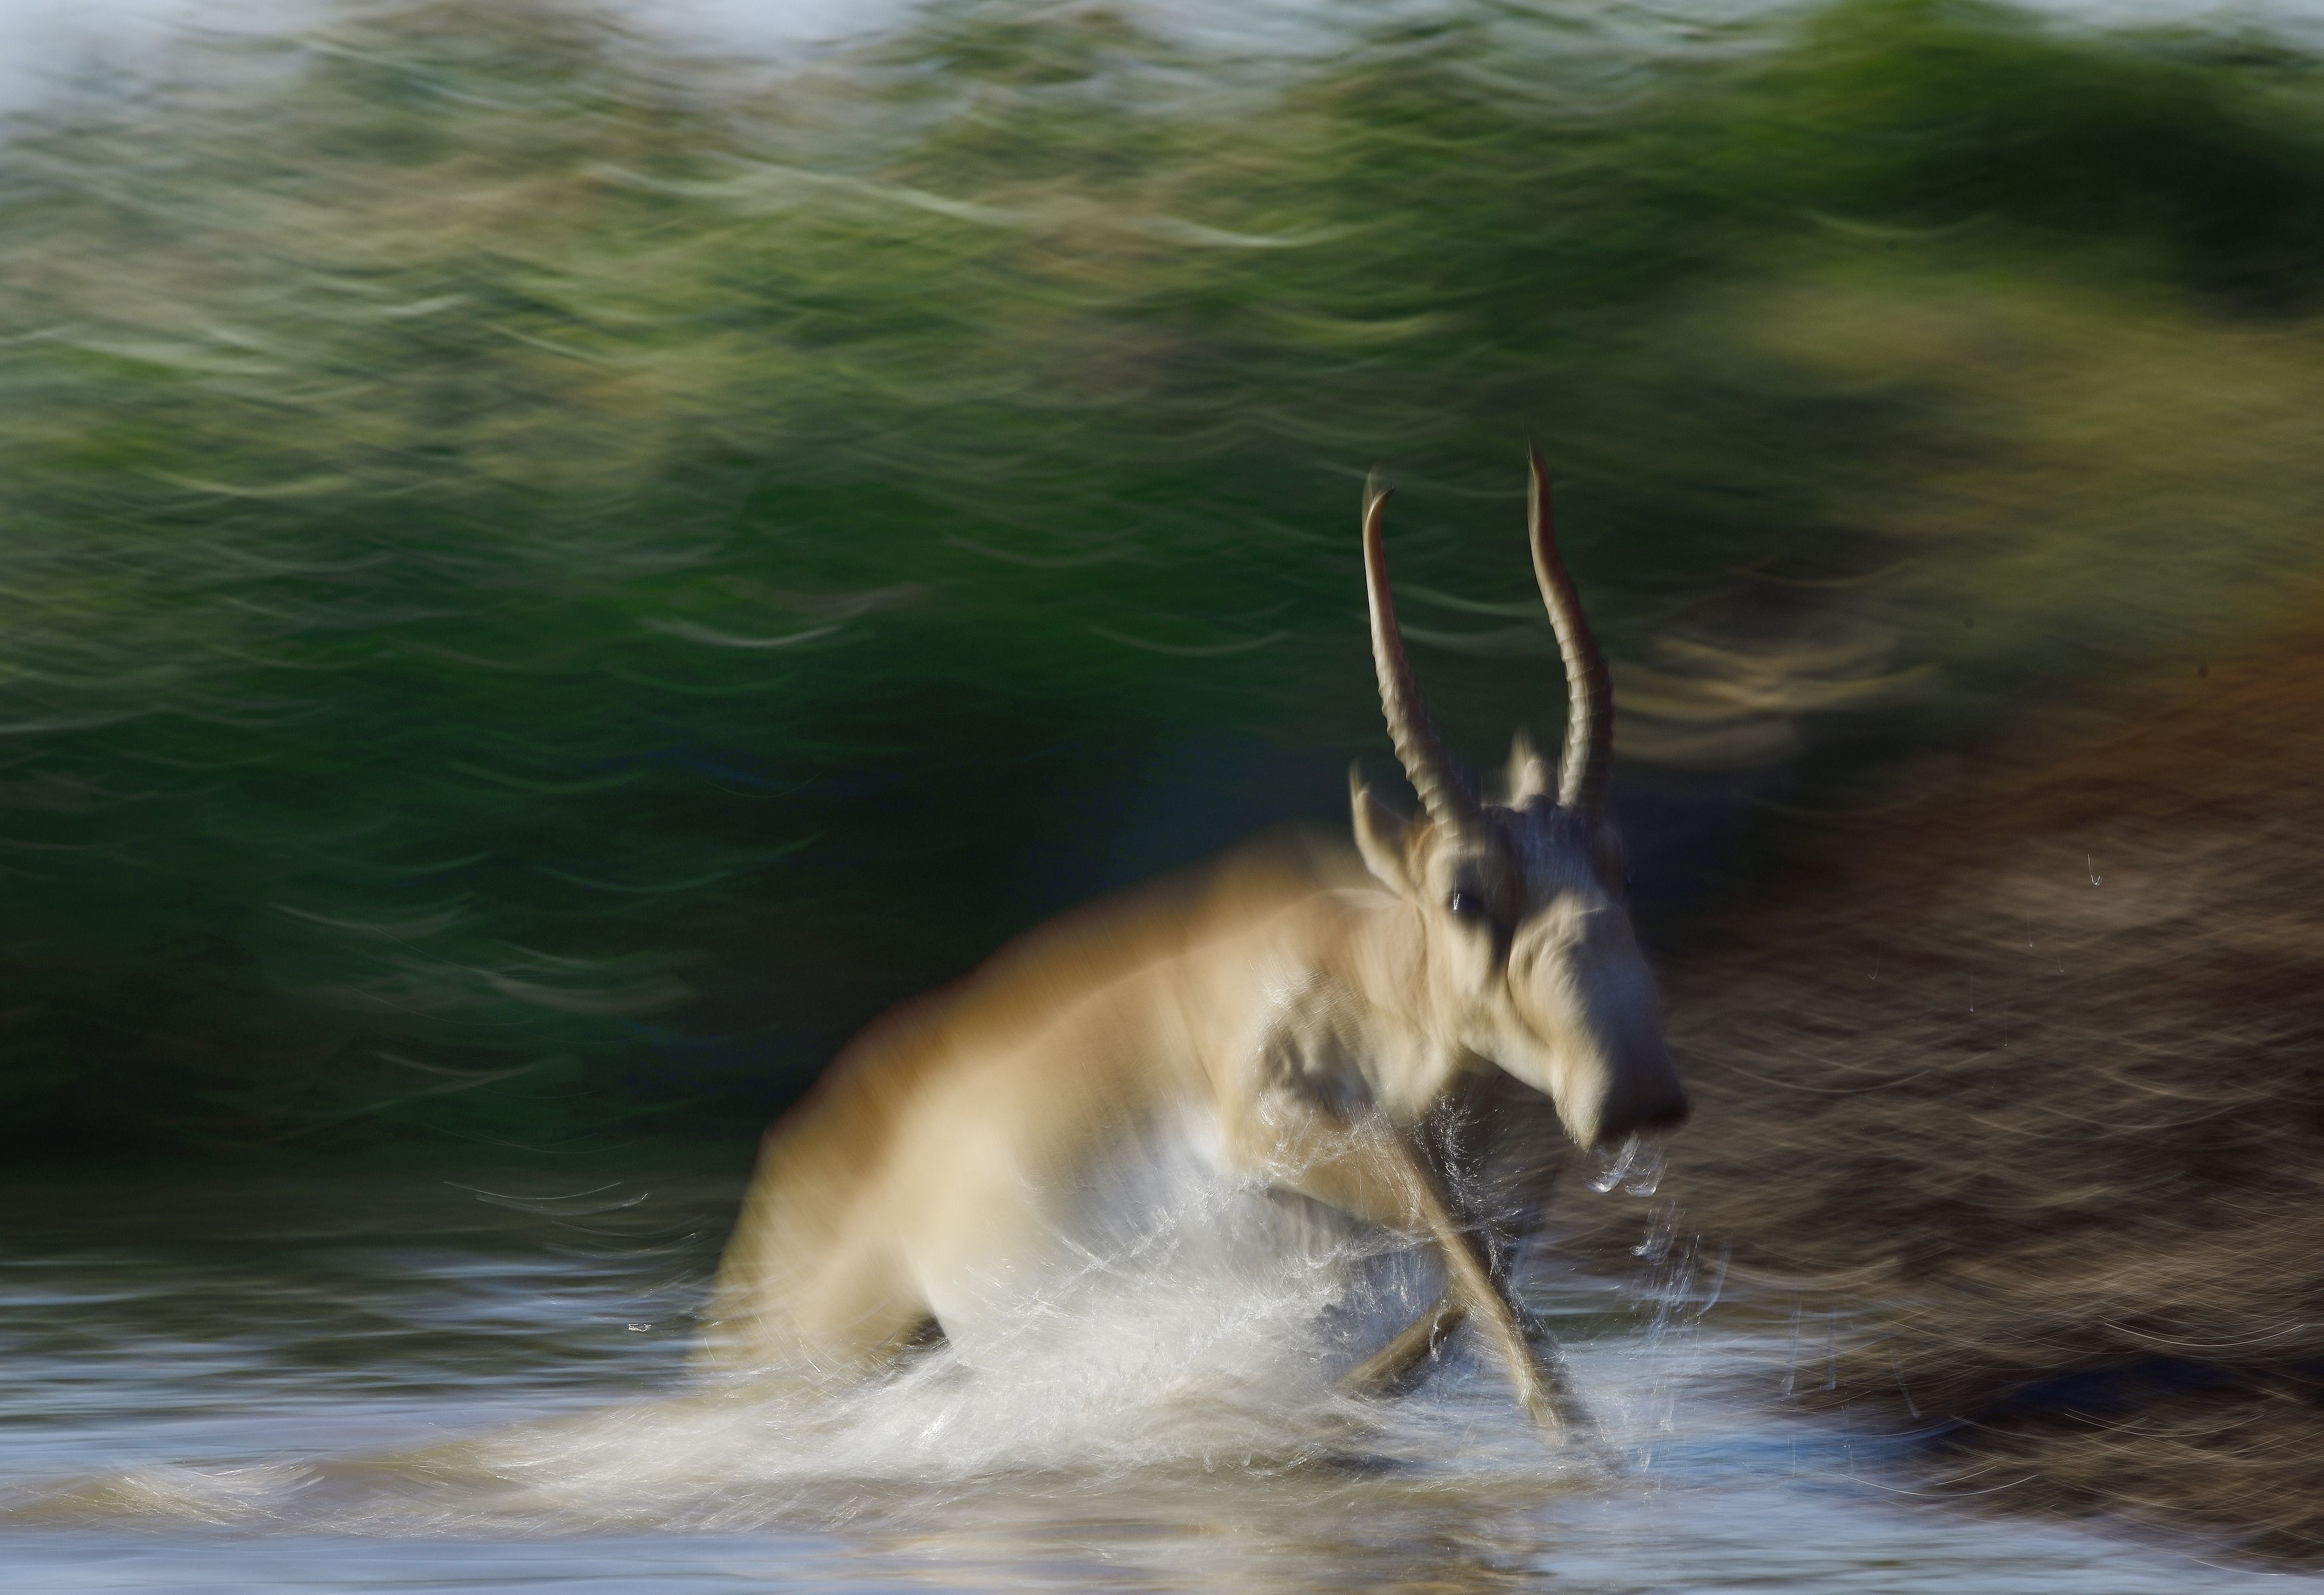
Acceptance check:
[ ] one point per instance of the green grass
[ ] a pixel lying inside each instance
(541, 583)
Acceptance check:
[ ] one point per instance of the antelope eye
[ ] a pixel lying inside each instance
(1466, 905)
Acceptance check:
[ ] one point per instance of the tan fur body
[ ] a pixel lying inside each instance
(1290, 1014)
(949, 1145)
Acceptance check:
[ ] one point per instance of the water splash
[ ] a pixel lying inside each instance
(1195, 1335)
(1162, 1417)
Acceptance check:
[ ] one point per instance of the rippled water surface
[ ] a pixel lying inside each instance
(416, 1384)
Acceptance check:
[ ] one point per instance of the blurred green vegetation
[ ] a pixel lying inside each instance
(545, 581)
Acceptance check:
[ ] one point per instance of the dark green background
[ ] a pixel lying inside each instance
(542, 582)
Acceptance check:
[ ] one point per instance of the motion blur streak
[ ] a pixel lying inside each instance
(2049, 1146)
(1298, 1028)
(553, 565)
(509, 532)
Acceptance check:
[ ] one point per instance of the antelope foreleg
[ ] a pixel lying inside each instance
(1390, 1367)
(1371, 1171)
(1387, 1369)
(1470, 1284)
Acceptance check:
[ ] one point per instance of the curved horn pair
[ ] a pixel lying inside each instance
(1589, 691)
(1445, 792)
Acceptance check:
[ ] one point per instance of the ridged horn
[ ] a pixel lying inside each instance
(1444, 792)
(1583, 770)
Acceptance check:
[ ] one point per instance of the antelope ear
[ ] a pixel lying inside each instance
(1528, 776)
(1380, 835)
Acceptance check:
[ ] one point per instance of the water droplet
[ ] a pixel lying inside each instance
(1637, 1167)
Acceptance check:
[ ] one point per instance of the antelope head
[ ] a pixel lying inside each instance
(1527, 959)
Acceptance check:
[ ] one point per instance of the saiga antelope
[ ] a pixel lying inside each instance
(1300, 1030)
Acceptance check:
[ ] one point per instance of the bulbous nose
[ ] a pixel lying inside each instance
(1642, 1113)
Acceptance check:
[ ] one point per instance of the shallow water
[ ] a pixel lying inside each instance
(415, 1384)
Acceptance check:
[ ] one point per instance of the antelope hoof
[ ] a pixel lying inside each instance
(1395, 1367)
